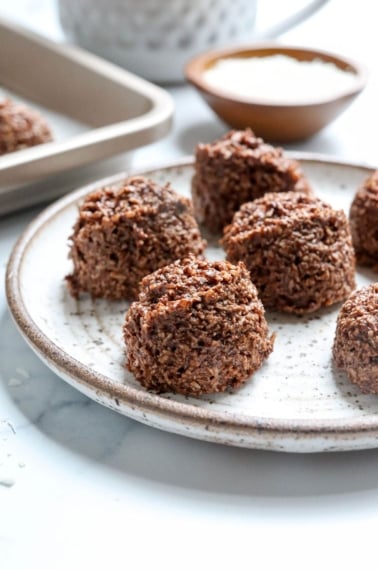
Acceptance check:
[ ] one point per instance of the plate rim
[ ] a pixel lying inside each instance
(137, 398)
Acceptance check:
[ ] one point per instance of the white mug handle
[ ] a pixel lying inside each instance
(292, 20)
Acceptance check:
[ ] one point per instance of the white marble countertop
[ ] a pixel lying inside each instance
(83, 487)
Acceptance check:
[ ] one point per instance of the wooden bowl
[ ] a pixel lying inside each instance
(281, 121)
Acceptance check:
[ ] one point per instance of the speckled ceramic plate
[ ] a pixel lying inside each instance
(296, 402)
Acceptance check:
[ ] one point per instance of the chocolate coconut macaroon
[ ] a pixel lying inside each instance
(363, 218)
(197, 327)
(238, 168)
(21, 127)
(123, 234)
(355, 348)
(297, 249)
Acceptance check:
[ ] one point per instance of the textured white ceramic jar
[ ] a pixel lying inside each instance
(155, 38)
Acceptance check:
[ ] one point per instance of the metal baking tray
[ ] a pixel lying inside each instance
(104, 110)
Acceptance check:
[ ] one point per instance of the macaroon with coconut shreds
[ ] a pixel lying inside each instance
(297, 248)
(21, 127)
(238, 168)
(198, 327)
(355, 348)
(363, 218)
(125, 233)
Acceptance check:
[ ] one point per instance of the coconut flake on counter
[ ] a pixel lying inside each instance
(279, 78)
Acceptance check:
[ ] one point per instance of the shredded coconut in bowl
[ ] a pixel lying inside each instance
(279, 78)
